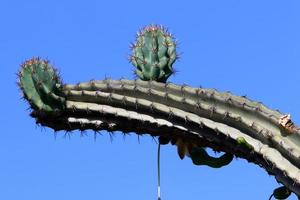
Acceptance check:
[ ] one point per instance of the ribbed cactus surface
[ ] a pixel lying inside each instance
(41, 85)
(153, 54)
(185, 116)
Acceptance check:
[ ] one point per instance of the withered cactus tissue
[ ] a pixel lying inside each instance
(191, 118)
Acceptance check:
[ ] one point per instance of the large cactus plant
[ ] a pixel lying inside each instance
(191, 118)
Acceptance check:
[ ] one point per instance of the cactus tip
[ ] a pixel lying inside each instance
(154, 53)
(37, 80)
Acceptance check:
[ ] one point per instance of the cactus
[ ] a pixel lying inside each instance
(41, 85)
(200, 116)
(153, 54)
(191, 118)
(241, 141)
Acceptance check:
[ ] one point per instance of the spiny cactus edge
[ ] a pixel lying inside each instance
(110, 104)
(194, 118)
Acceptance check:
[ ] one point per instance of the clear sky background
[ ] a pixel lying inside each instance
(247, 47)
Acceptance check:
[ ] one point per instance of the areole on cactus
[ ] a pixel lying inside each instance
(190, 118)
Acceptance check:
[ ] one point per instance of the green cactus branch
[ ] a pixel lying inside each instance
(252, 118)
(188, 117)
(153, 54)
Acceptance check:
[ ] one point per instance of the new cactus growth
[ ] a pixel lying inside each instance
(191, 118)
(153, 54)
(41, 85)
(241, 141)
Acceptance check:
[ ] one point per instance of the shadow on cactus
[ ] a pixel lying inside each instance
(190, 118)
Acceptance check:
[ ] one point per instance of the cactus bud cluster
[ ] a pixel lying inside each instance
(40, 85)
(153, 54)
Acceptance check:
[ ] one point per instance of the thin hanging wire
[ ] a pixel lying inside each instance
(158, 172)
(271, 196)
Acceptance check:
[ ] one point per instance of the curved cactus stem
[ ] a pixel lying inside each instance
(250, 117)
(97, 117)
(188, 117)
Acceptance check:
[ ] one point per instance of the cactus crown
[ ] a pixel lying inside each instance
(40, 85)
(153, 54)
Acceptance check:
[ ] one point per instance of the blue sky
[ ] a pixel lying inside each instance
(247, 47)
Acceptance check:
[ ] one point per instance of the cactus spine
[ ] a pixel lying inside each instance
(153, 54)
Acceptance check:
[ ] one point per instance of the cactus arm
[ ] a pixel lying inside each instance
(250, 117)
(154, 53)
(41, 85)
(204, 117)
(97, 117)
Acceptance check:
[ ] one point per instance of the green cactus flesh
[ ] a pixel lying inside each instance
(204, 117)
(153, 54)
(40, 85)
(242, 142)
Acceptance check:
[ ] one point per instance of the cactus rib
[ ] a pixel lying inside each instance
(103, 117)
(153, 54)
(41, 85)
(260, 123)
